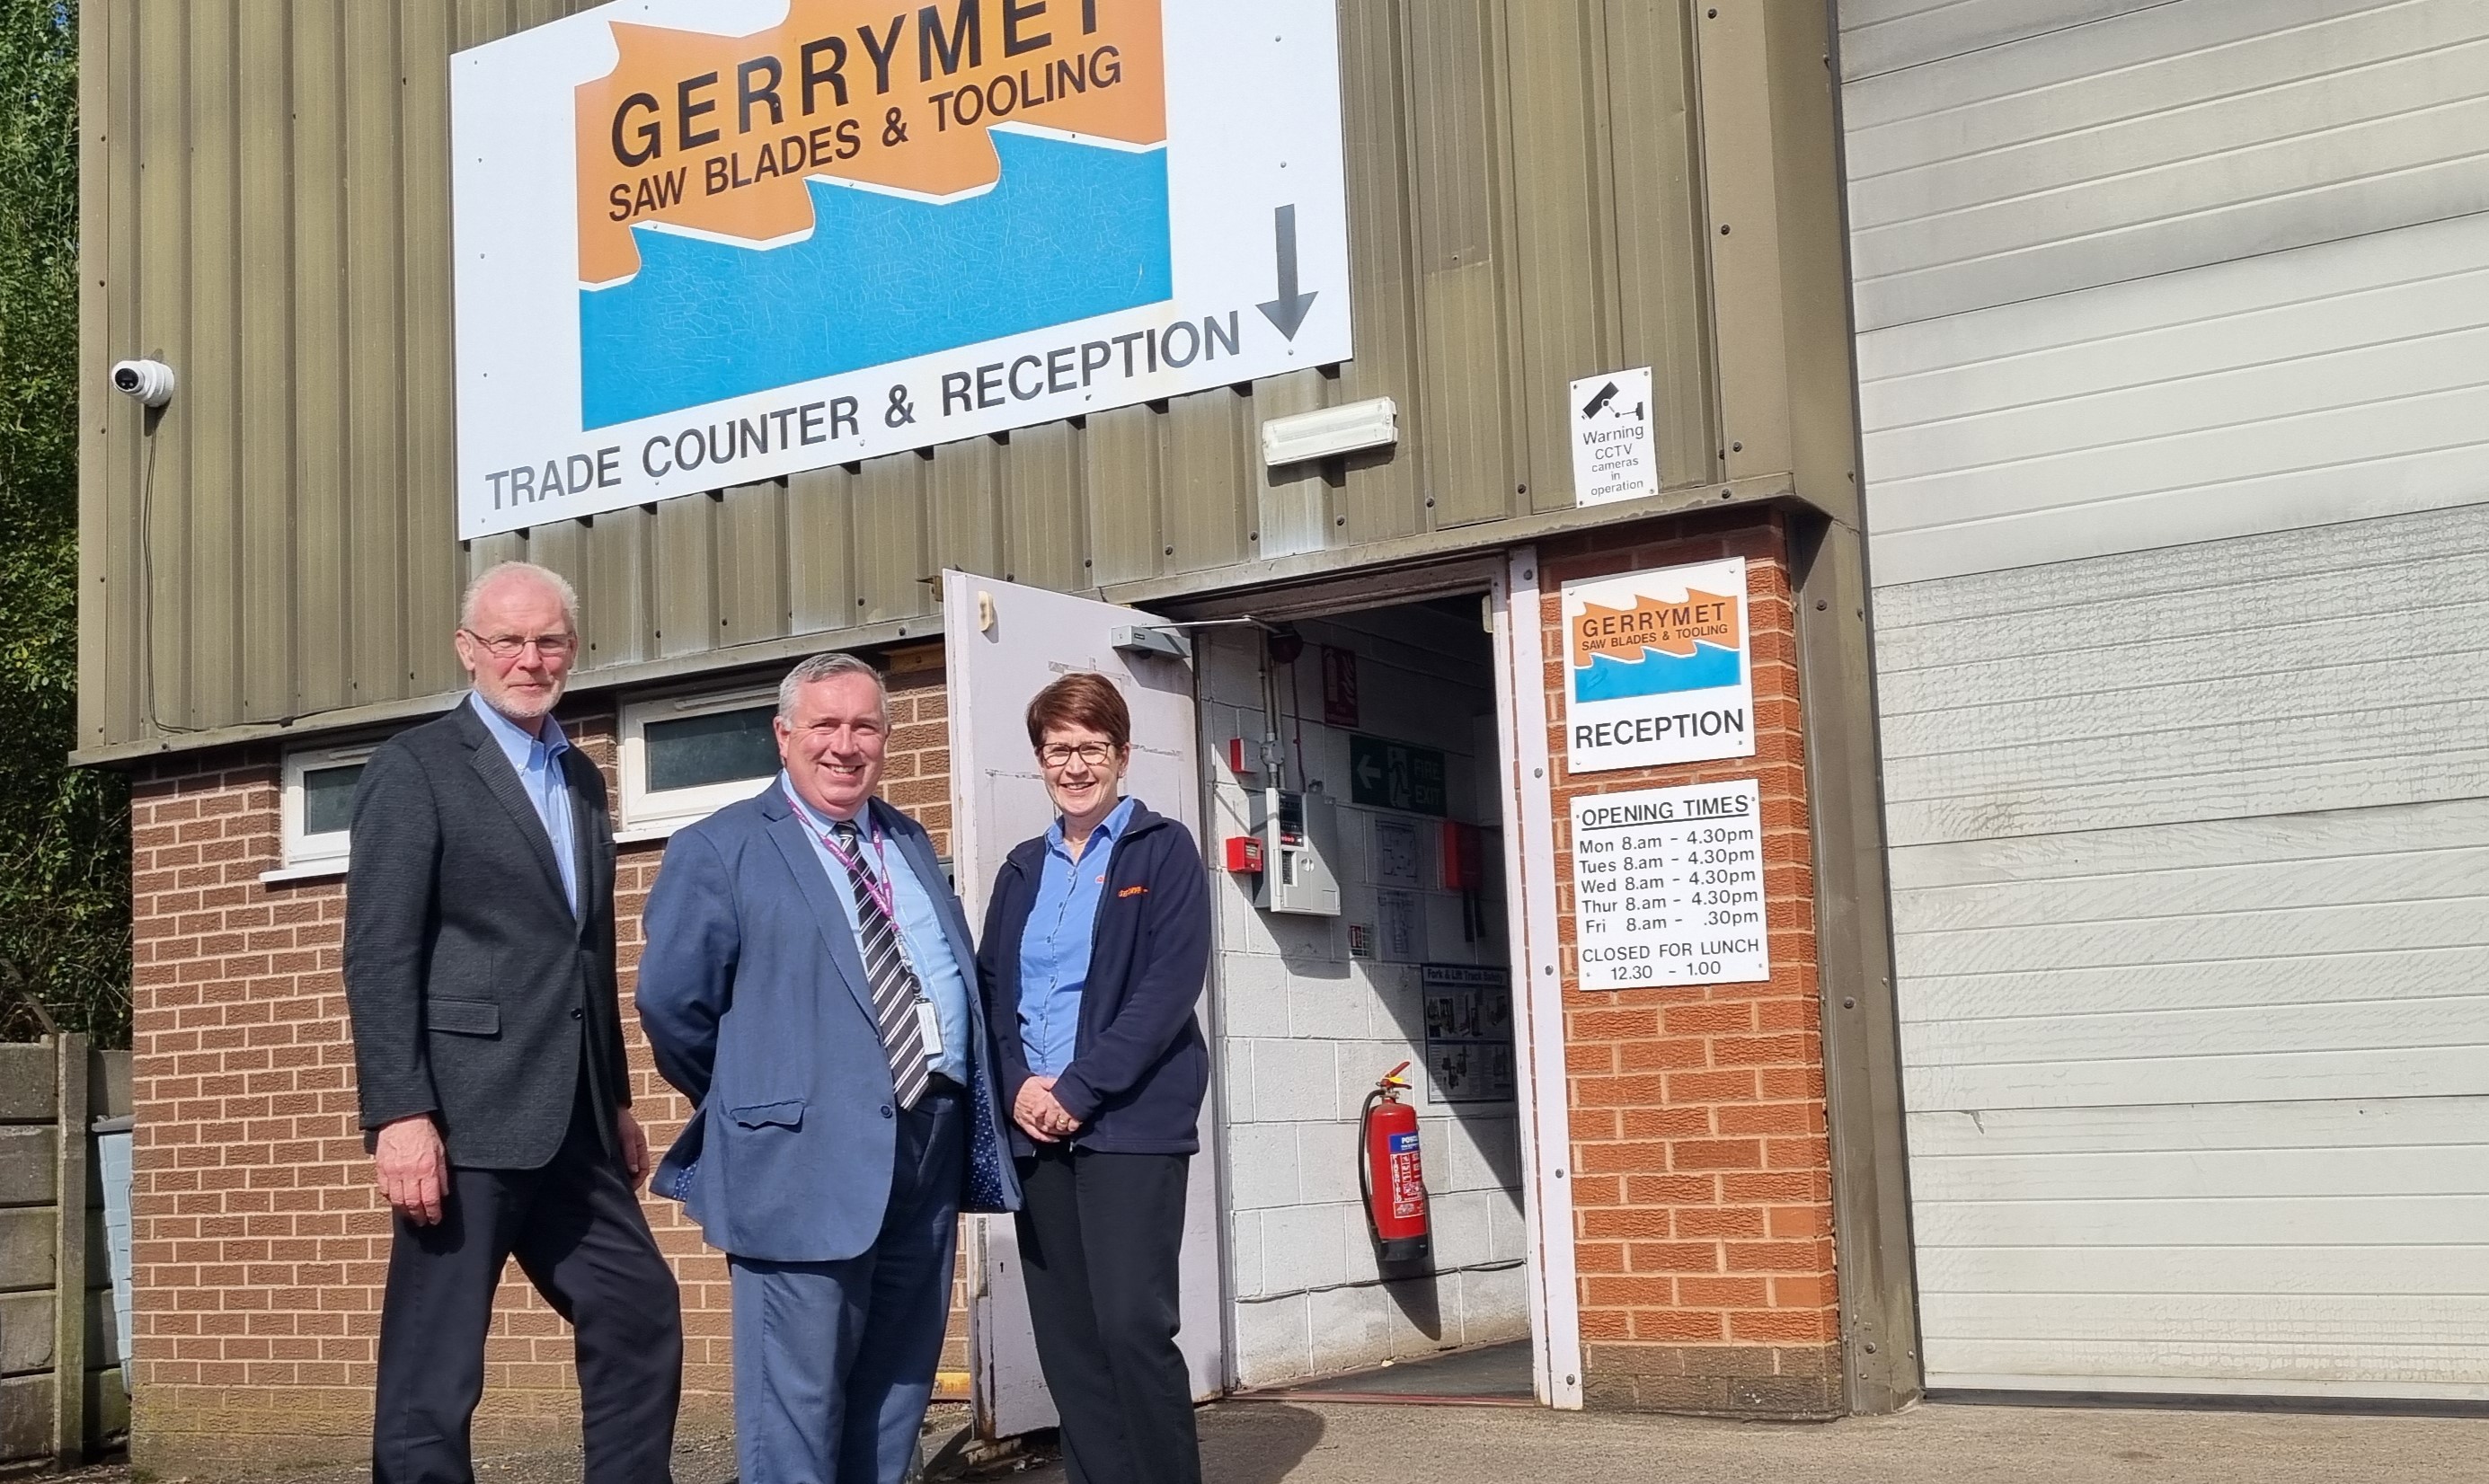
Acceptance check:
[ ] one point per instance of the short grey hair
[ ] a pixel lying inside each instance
(829, 667)
(500, 570)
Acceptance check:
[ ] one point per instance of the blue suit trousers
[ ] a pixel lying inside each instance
(834, 1362)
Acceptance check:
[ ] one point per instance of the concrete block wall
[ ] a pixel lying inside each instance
(1305, 1029)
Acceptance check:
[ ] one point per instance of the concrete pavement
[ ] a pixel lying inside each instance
(1267, 1443)
(1310, 1442)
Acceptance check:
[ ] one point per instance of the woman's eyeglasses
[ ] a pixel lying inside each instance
(1058, 755)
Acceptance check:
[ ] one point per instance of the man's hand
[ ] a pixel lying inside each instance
(634, 1145)
(412, 1170)
(1039, 1115)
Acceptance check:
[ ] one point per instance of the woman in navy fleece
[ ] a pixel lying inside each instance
(1096, 944)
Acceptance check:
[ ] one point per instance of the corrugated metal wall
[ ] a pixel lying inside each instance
(2171, 329)
(266, 207)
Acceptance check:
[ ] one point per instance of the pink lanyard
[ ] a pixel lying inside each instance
(876, 887)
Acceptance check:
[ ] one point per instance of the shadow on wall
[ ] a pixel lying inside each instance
(1420, 1302)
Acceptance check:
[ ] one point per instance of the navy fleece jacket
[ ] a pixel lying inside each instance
(1139, 1066)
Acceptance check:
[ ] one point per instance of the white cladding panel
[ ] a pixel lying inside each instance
(2191, 891)
(2324, 383)
(2174, 382)
(2160, 138)
(1883, 36)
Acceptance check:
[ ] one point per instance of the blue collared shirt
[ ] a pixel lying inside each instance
(1054, 946)
(920, 929)
(537, 760)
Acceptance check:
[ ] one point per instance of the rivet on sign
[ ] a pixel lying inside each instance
(1343, 519)
(1521, 489)
(1170, 550)
(1870, 1347)
(1821, 605)
(1850, 1002)
(1724, 229)
(1737, 447)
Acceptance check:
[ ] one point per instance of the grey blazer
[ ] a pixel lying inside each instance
(476, 995)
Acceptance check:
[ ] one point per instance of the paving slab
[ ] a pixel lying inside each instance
(1312, 1442)
(1302, 1442)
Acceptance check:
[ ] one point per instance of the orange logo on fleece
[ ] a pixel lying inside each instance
(1134, 891)
(1671, 628)
(719, 133)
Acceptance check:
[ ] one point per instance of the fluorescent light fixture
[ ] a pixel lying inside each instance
(1318, 435)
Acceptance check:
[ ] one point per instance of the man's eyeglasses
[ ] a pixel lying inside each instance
(1058, 755)
(507, 646)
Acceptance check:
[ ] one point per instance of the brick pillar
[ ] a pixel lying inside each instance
(1703, 1183)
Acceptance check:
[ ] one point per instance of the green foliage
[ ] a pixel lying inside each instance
(64, 833)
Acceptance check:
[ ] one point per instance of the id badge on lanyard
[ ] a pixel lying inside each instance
(885, 898)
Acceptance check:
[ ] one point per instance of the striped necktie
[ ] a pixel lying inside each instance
(886, 970)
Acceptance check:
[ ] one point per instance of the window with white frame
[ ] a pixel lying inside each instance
(319, 802)
(686, 757)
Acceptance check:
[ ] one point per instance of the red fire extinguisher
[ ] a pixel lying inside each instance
(1391, 1174)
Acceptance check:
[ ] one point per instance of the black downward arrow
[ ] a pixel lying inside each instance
(1287, 311)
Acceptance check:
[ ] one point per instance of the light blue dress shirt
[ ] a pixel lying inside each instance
(920, 929)
(1054, 946)
(539, 766)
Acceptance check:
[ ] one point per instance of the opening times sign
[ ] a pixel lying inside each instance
(703, 242)
(1668, 887)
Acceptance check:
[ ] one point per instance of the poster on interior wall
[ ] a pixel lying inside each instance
(705, 242)
(1400, 927)
(1668, 887)
(1658, 669)
(1395, 852)
(1468, 1032)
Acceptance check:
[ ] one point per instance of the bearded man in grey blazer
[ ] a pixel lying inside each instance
(488, 1049)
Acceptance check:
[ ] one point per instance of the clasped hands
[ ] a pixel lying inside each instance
(1039, 1115)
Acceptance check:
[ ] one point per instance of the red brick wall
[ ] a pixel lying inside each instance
(1702, 1176)
(260, 1244)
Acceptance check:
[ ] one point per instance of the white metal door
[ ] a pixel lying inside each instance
(1002, 643)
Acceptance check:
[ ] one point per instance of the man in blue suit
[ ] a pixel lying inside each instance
(806, 984)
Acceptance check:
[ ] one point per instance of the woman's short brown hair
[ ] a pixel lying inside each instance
(1081, 698)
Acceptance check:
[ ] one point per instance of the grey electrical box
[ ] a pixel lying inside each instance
(1300, 839)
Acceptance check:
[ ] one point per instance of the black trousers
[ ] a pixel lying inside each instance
(576, 1228)
(1100, 1236)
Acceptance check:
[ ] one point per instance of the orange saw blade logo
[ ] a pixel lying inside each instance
(717, 134)
(1672, 628)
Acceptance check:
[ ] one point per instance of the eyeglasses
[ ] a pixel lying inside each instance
(1058, 755)
(507, 646)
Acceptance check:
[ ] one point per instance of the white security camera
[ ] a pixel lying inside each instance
(150, 382)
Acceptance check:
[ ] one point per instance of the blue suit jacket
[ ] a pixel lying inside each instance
(756, 1002)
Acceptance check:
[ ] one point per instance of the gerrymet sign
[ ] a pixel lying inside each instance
(702, 243)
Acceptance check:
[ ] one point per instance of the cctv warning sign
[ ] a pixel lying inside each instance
(1615, 454)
